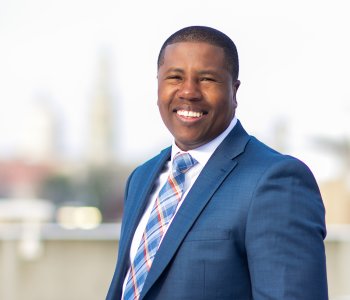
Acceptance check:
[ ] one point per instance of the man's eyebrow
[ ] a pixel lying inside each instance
(175, 70)
(208, 72)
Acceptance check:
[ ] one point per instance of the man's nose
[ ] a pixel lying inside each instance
(189, 90)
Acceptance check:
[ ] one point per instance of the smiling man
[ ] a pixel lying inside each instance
(197, 92)
(218, 215)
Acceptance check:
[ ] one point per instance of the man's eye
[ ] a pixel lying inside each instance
(174, 77)
(207, 79)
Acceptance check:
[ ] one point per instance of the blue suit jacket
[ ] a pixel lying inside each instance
(251, 227)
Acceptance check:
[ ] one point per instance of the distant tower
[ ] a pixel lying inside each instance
(100, 140)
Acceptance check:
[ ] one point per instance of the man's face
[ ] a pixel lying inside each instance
(196, 93)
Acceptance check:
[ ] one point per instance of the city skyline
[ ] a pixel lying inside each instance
(293, 69)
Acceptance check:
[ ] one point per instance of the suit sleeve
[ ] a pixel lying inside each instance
(284, 235)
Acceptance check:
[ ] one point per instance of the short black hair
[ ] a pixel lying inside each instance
(207, 35)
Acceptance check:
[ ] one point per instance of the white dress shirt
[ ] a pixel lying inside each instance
(200, 154)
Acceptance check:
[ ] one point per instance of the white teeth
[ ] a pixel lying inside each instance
(192, 114)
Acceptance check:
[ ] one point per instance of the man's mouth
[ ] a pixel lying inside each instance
(189, 114)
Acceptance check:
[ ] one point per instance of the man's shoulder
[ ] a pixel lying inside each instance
(267, 157)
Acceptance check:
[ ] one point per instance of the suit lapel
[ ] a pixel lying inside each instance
(135, 211)
(219, 166)
(141, 196)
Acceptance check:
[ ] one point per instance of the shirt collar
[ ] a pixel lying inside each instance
(204, 152)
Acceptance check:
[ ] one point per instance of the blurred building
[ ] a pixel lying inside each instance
(101, 150)
(336, 191)
(38, 141)
(38, 169)
(336, 196)
(20, 178)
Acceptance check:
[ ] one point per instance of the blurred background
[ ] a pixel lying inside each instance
(78, 112)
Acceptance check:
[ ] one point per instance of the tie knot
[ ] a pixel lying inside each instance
(182, 162)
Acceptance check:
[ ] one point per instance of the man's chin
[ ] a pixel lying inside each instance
(188, 144)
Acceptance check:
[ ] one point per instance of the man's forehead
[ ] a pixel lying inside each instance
(194, 49)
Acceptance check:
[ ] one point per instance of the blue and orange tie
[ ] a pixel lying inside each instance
(162, 212)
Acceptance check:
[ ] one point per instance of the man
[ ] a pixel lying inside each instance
(218, 215)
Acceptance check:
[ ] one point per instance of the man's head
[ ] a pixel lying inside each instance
(206, 35)
(197, 85)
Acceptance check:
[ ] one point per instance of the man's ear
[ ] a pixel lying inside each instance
(235, 86)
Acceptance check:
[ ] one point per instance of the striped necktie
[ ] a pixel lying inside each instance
(162, 212)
